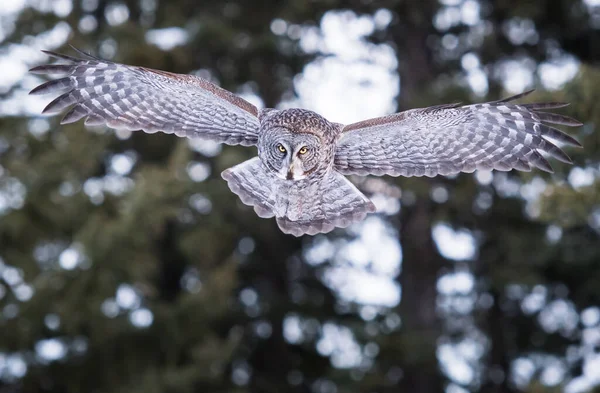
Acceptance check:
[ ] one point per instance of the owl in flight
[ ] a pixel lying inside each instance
(298, 176)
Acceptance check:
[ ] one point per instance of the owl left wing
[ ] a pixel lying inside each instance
(448, 139)
(139, 98)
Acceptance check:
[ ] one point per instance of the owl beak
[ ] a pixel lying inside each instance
(295, 172)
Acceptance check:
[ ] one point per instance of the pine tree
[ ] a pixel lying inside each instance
(129, 266)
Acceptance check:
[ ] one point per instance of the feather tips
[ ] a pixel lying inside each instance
(310, 206)
(132, 98)
(446, 139)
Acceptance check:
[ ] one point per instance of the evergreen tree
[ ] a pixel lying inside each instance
(127, 265)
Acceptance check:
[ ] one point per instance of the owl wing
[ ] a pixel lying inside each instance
(134, 98)
(449, 139)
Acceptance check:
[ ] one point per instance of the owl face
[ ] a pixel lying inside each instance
(290, 155)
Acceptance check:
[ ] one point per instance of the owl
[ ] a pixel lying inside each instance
(298, 176)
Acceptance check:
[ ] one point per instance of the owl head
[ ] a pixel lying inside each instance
(293, 143)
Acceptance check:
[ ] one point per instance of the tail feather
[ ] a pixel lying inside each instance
(334, 202)
(308, 206)
(253, 184)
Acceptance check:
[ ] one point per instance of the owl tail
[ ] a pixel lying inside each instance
(309, 206)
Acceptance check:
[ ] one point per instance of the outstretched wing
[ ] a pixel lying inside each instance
(448, 139)
(134, 98)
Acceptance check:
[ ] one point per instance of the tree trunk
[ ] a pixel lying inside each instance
(421, 326)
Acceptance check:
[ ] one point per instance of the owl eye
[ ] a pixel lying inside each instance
(281, 148)
(303, 150)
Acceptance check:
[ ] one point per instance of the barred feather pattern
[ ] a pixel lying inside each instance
(449, 139)
(313, 205)
(134, 98)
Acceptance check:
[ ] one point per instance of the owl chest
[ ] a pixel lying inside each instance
(295, 199)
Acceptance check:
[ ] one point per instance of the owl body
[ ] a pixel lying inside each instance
(294, 179)
(298, 177)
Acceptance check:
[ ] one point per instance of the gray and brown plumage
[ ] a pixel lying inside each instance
(298, 176)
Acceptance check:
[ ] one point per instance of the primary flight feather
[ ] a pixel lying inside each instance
(298, 176)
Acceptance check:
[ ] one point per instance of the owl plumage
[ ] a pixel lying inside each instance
(298, 176)
(301, 189)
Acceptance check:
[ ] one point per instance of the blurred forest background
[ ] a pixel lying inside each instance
(126, 264)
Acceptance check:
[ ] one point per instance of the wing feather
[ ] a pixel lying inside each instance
(134, 98)
(449, 139)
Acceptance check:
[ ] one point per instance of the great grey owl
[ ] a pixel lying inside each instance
(298, 176)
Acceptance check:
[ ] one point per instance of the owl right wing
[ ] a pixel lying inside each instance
(138, 98)
(448, 139)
